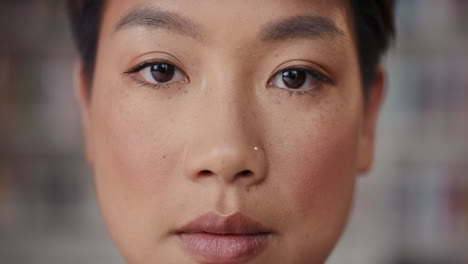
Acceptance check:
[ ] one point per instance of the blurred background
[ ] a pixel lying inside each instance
(411, 209)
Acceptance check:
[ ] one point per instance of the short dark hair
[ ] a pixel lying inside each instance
(373, 21)
(85, 21)
(375, 30)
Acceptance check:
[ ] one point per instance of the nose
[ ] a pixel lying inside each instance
(225, 161)
(225, 145)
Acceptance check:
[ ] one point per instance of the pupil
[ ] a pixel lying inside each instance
(294, 79)
(162, 72)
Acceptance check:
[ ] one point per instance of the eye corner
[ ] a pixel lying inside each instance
(138, 68)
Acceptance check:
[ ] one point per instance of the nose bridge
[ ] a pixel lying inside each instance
(225, 142)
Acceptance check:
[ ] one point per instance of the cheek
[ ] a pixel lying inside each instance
(134, 154)
(317, 171)
(316, 168)
(326, 170)
(134, 143)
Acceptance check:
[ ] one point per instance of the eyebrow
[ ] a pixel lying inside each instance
(307, 26)
(155, 18)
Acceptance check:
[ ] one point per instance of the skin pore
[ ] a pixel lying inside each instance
(259, 110)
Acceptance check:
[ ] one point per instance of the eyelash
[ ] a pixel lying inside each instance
(320, 77)
(144, 65)
(153, 85)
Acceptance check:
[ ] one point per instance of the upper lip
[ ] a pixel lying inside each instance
(234, 224)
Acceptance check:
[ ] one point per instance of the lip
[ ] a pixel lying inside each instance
(212, 238)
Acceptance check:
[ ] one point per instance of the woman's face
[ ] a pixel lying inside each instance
(234, 109)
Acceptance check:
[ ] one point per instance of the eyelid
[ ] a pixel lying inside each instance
(315, 73)
(156, 57)
(152, 62)
(135, 74)
(308, 66)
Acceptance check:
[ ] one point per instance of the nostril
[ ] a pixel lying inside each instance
(205, 173)
(240, 174)
(245, 173)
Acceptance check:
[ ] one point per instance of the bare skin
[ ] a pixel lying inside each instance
(226, 132)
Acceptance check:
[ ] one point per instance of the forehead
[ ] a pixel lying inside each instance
(231, 20)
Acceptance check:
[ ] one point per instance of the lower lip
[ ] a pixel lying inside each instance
(216, 248)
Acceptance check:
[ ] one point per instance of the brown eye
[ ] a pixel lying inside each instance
(162, 72)
(294, 79)
(154, 73)
(298, 78)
